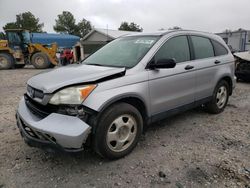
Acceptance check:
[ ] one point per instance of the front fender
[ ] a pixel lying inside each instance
(99, 100)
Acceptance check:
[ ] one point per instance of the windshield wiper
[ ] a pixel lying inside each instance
(95, 64)
(101, 65)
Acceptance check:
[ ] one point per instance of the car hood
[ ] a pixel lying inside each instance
(53, 80)
(243, 55)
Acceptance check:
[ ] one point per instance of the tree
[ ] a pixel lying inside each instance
(10, 25)
(25, 20)
(66, 23)
(130, 27)
(2, 36)
(84, 27)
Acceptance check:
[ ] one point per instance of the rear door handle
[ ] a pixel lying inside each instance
(217, 62)
(188, 67)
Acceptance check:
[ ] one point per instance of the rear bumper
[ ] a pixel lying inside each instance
(64, 132)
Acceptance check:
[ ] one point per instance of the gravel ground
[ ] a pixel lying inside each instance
(193, 149)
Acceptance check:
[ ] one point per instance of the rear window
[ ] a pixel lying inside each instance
(219, 49)
(202, 47)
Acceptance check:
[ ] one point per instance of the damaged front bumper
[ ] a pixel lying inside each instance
(65, 132)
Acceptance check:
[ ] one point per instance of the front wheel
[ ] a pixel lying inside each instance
(220, 98)
(118, 131)
(40, 60)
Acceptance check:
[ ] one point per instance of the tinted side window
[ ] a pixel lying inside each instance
(175, 48)
(202, 47)
(219, 49)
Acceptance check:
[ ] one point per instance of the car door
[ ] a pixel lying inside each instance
(173, 87)
(205, 64)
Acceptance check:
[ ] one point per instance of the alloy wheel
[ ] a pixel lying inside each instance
(221, 97)
(121, 133)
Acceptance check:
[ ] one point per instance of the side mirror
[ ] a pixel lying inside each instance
(163, 64)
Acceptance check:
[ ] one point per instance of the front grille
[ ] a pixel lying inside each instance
(43, 111)
(35, 93)
(38, 109)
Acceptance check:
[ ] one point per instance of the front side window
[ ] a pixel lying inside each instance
(176, 48)
(202, 47)
(122, 52)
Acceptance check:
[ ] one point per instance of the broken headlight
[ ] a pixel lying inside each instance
(72, 95)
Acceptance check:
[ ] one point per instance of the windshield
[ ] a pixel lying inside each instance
(13, 37)
(122, 52)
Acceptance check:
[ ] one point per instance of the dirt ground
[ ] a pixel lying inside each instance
(193, 149)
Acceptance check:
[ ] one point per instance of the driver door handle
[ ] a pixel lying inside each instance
(189, 67)
(217, 62)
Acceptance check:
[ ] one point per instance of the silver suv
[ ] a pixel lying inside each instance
(107, 101)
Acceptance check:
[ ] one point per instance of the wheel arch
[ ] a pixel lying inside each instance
(133, 100)
(8, 52)
(229, 80)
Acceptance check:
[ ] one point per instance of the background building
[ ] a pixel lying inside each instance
(237, 40)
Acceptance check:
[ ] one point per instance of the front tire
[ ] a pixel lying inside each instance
(118, 131)
(6, 61)
(40, 60)
(220, 98)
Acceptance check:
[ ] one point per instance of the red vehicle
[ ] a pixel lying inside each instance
(66, 56)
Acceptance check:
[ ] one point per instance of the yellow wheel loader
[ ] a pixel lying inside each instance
(18, 50)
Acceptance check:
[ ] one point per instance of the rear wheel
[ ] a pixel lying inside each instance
(40, 60)
(6, 61)
(220, 98)
(118, 131)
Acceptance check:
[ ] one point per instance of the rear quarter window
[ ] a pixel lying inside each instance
(219, 49)
(203, 48)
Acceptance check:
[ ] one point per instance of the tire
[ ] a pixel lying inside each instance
(19, 66)
(40, 60)
(121, 123)
(220, 98)
(6, 61)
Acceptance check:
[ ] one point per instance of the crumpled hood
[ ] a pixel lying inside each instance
(50, 81)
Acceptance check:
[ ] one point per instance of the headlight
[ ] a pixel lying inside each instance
(72, 95)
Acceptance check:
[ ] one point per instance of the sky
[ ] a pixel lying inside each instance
(151, 15)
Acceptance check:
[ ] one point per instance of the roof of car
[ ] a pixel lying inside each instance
(164, 32)
(181, 31)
